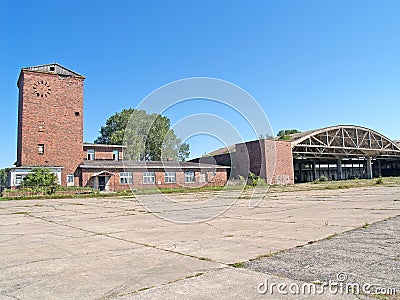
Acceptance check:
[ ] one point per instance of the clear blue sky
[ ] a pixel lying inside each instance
(309, 64)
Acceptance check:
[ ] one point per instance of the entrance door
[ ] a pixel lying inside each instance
(102, 183)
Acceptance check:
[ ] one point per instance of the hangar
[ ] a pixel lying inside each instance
(343, 152)
(336, 152)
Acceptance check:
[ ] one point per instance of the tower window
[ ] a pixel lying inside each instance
(77, 114)
(52, 68)
(41, 126)
(40, 148)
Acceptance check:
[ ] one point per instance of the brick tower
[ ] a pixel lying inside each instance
(50, 120)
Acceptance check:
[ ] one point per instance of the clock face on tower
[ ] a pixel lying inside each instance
(41, 88)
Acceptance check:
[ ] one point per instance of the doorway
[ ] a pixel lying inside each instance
(103, 183)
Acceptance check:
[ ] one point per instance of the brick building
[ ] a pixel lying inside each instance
(335, 153)
(269, 159)
(50, 135)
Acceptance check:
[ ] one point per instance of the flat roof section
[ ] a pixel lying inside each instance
(114, 164)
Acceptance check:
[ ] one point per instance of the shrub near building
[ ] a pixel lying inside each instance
(41, 180)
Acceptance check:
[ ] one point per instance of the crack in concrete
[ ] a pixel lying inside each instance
(121, 239)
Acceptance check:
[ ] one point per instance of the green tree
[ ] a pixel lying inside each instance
(285, 134)
(184, 152)
(3, 178)
(113, 132)
(147, 136)
(265, 137)
(40, 179)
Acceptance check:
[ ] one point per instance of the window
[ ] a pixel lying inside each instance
(170, 177)
(41, 148)
(126, 177)
(203, 177)
(190, 177)
(149, 177)
(52, 68)
(41, 126)
(18, 179)
(70, 178)
(90, 154)
(115, 155)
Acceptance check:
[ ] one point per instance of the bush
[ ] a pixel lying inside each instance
(379, 180)
(255, 180)
(41, 180)
(321, 179)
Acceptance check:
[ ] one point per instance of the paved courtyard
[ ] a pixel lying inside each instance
(113, 248)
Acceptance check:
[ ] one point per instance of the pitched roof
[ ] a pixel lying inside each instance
(54, 68)
(225, 150)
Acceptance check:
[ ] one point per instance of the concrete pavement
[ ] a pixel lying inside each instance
(110, 248)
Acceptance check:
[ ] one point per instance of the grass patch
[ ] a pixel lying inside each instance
(328, 185)
(366, 225)
(379, 181)
(270, 254)
(336, 185)
(238, 265)
(204, 258)
(146, 191)
(332, 236)
(264, 256)
(145, 288)
(195, 275)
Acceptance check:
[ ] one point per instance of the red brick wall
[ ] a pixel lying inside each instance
(269, 159)
(249, 157)
(62, 134)
(279, 154)
(219, 179)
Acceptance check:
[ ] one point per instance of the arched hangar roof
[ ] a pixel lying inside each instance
(343, 141)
